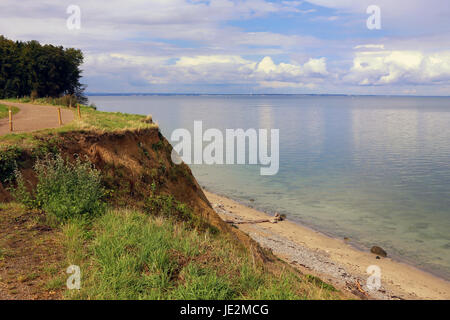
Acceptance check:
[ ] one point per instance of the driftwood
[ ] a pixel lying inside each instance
(275, 219)
(249, 222)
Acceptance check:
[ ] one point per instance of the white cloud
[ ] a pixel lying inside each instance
(212, 69)
(369, 46)
(312, 67)
(212, 60)
(316, 66)
(287, 85)
(399, 67)
(266, 66)
(175, 42)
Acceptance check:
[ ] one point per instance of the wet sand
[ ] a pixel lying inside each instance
(333, 260)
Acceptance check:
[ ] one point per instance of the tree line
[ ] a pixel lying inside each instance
(29, 69)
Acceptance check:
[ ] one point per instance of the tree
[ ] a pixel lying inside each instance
(45, 70)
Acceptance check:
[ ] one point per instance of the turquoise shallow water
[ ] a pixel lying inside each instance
(375, 169)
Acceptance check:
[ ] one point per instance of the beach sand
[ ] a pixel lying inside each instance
(333, 260)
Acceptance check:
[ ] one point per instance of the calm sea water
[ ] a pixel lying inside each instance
(374, 169)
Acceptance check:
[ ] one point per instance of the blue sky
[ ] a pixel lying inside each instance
(247, 46)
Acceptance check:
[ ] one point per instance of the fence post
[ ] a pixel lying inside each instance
(10, 119)
(79, 111)
(59, 116)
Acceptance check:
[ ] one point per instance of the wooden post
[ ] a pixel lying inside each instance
(59, 116)
(10, 119)
(79, 111)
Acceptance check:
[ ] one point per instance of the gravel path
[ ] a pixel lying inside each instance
(34, 117)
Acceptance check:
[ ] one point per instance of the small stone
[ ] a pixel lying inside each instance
(379, 251)
(377, 257)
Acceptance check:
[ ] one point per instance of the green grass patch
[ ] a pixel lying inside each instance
(127, 254)
(168, 207)
(4, 111)
(319, 283)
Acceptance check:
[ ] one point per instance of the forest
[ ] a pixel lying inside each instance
(30, 69)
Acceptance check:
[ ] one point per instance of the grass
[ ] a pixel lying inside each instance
(128, 254)
(168, 206)
(4, 111)
(65, 100)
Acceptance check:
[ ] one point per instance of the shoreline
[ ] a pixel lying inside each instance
(334, 260)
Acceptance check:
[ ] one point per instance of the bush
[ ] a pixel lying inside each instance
(20, 193)
(45, 147)
(64, 190)
(8, 162)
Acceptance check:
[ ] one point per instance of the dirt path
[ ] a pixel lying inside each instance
(33, 117)
(32, 257)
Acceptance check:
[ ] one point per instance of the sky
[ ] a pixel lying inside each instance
(246, 46)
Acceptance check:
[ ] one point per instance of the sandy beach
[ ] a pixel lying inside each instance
(333, 260)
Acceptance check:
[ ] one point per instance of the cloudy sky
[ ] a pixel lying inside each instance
(247, 46)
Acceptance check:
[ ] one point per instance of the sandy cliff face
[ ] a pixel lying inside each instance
(135, 163)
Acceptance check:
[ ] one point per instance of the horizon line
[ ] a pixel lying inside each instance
(257, 94)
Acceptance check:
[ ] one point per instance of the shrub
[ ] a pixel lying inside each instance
(20, 193)
(64, 189)
(8, 162)
(45, 147)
